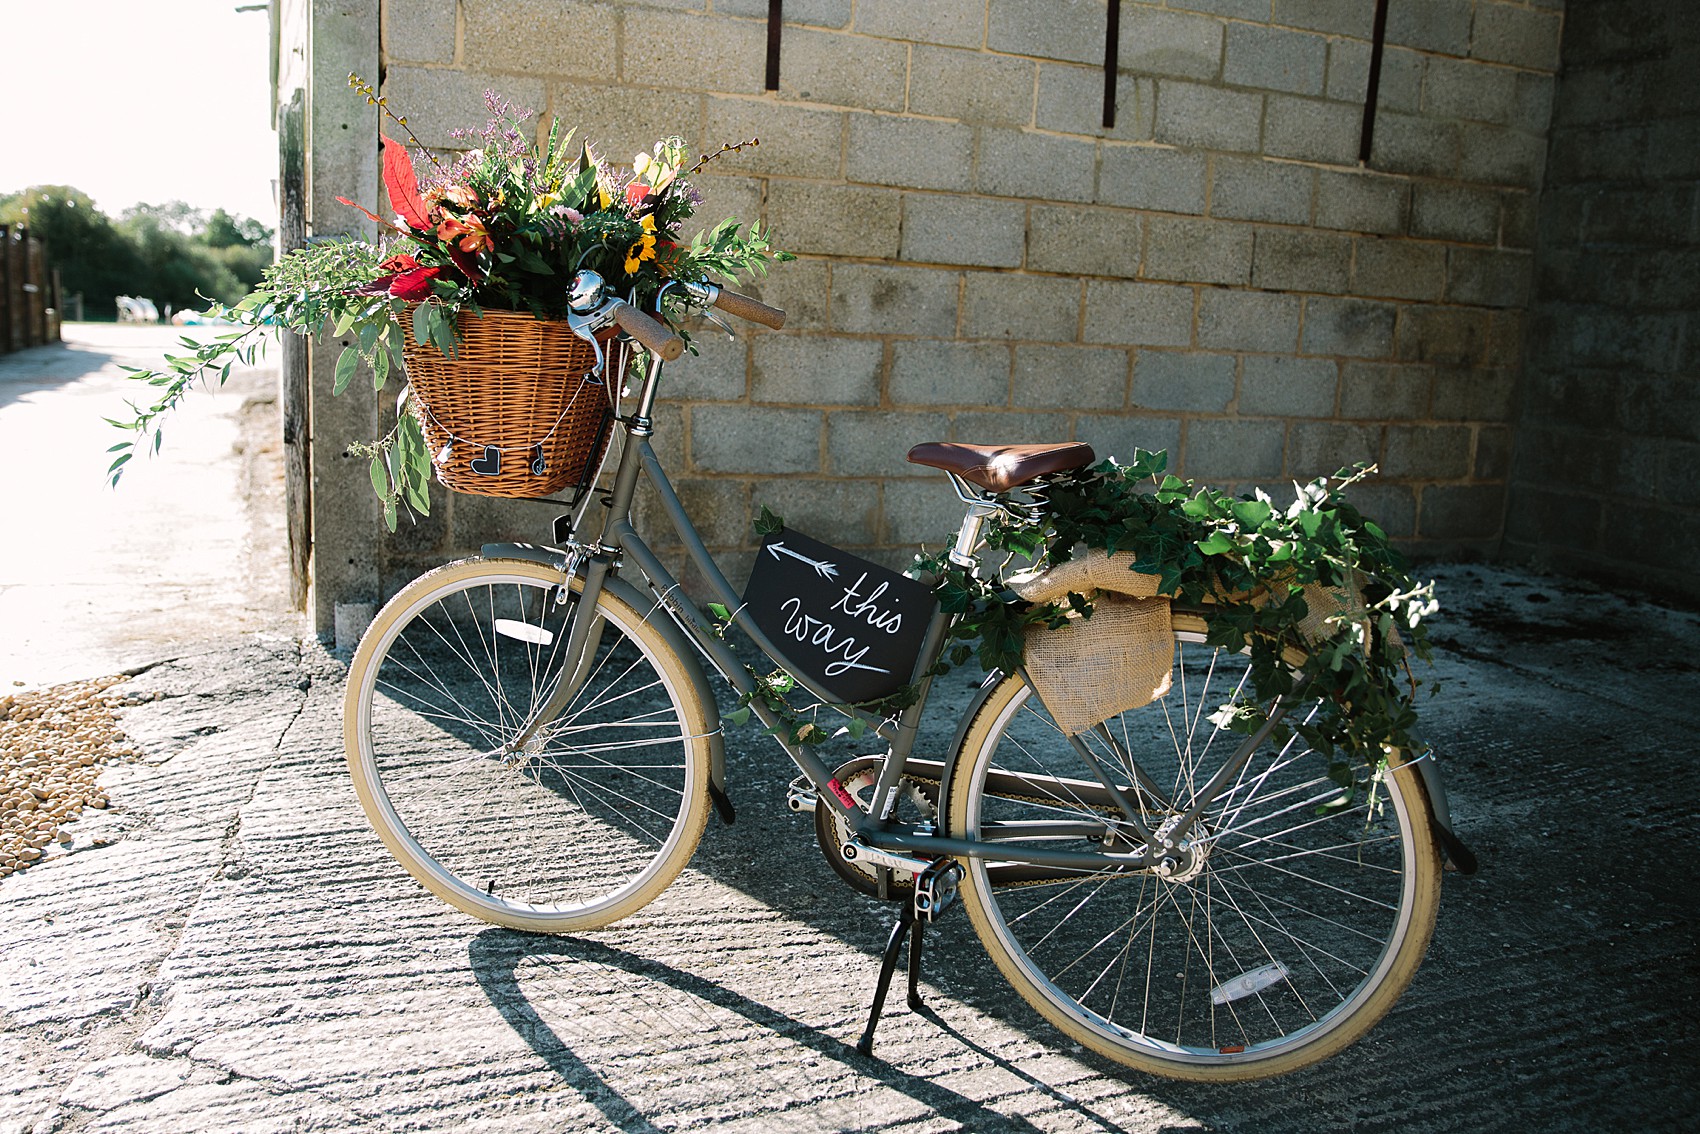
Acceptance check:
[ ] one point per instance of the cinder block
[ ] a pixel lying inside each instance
(845, 70)
(530, 36)
(835, 220)
(1493, 453)
(1285, 386)
(1052, 377)
(1494, 155)
(1505, 33)
(1505, 340)
(1357, 328)
(1084, 241)
(1440, 26)
(844, 513)
(1198, 251)
(1398, 269)
(1348, 70)
(1462, 511)
(1250, 189)
(1300, 260)
(1449, 336)
(437, 100)
(1155, 42)
(620, 127)
(420, 31)
(1072, 30)
(971, 86)
(911, 152)
(1489, 277)
(719, 372)
(795, 141)
(1311, 130)
(755, 439)
(1224, 449)
(1016, 163)
(1519, 223)
(1438, 451)
(723, 197)
(672, 48)
(1532, 112)
(956, 23)
(930, 372)
(1119, 434)
(1322, 448)
(1392, 506)
(999, 305)
(876, 300)
(1010, 427)
(719, 508)
(947, 229)
(816, 370)
(1360, 202)
(1423, 146)
(924, 513)
(1401, 86)
(1152, 177)
(1171, 380)
(1474, 395)
(1274, 59)
(1465, 88)
(1071, 100)
(799, 289)
(1336, 17)
(1138, 314)
(1207, 117)
(874, 443)
(816, 13)
(1454, 212)
(1247, 320)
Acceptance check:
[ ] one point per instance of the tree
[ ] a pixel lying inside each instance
(92, 256)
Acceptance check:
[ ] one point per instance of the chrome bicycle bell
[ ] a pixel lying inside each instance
(585, 293)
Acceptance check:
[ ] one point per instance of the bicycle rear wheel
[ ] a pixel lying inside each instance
(585, 823)
(1294, 920)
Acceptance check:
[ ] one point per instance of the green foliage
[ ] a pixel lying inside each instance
(1242, 563)
(174, 254)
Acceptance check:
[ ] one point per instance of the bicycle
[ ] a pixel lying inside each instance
(533, 735)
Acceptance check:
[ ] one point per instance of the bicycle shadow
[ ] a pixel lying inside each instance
(496, 956)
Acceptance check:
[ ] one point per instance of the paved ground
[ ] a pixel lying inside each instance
(242, 956)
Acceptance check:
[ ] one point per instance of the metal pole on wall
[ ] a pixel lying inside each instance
(295, 394)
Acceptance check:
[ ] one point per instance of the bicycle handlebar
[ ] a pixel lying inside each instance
(649, 332)
(746, 308)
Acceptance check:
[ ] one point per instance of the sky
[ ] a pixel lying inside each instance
(140, 101)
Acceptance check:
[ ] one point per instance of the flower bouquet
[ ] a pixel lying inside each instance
(498, 280)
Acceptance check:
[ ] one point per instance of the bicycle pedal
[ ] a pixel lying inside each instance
(936, 889)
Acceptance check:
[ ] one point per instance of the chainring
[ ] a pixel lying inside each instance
(917, 801)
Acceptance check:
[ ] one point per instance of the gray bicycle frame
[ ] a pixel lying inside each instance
(619, 540)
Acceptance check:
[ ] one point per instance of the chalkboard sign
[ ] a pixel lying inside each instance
(852, 627)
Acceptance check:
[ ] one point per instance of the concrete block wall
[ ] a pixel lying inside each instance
(1608, 439)
(1215, 275)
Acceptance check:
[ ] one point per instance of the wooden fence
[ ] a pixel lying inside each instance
(29, 291)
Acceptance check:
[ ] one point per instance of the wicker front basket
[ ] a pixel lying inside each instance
(517, 411)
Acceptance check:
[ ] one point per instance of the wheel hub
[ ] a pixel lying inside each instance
(1179, 860)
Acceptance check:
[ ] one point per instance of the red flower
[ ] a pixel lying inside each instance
(635, 194)
(468, 235)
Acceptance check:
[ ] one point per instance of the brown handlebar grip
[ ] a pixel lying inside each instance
(752, 309)
(649, 332)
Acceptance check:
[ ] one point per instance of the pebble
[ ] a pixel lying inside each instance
(53, 745)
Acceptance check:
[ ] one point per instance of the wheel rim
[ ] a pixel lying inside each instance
(584, 817)
(1293, 917)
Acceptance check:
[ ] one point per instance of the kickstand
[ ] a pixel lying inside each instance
(913, 927)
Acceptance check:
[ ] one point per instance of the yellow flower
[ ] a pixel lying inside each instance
(643, 250)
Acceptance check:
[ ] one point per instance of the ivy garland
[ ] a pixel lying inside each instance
(1242, 564)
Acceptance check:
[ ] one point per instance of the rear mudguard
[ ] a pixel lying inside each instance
(1451, 845)
(557, 559)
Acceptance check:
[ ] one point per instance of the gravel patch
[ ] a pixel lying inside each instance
(54, 744)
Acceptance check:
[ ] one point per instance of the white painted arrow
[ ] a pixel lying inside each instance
(822, 568)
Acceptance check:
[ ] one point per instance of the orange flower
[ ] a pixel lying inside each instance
(468, 235)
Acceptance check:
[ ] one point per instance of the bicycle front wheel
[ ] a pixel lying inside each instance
(584, 823)
(1293, 917)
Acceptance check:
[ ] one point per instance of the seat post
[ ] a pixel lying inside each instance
(968, 536)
